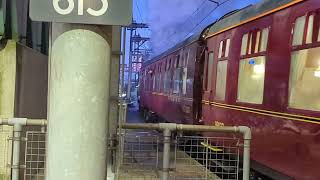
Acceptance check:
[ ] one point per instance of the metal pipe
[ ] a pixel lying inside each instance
(130, 68)
(17, 128)
(166, 154)
(36, 122)
(125, 109)
(246, 151)
(23, 122)
(141, 126)
(180, 127)
(123, 58)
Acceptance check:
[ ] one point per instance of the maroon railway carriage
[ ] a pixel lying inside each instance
(261, 68)
(169, 84)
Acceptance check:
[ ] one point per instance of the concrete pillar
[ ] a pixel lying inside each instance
(78, 103)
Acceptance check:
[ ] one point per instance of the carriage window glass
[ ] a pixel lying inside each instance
(177, 81)
(220, 49)
(210, 68)
(181, 62)
(227, 48)
(173, 65)
(319, 34)
(310, 29)
(177, 62)
(186, 60)
(299, 31)
(250, 43)
(244, 44)
(184, 80)
(165, 82)
(156, 79)
(159, 82)
(264, 40)
(221, 80)
(153, 77)
(256, 49)
(251, 80)
(304, 84)
(144, 79)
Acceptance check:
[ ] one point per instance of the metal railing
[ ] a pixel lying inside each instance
(35, 155)
(34, 152)
(155, 155)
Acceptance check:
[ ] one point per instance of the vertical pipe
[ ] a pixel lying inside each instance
(16, 151)
(246, 159)
(130, 68)
(123, 58)
(78, 103)
(246, 151)
(124, 117)
(166, 154)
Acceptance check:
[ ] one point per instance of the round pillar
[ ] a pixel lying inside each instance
(78, 104)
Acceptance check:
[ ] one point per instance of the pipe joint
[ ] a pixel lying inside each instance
(168, 126)
(17, 123)
(246, 131)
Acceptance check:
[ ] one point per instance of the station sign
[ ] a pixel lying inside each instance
(104, 12)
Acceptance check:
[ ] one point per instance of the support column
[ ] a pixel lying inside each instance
(166, 154)
(78, 106)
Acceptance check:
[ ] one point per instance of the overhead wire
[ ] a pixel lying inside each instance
(198, 24)
(184, 23)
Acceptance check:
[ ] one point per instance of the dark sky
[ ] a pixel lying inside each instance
(172, 21)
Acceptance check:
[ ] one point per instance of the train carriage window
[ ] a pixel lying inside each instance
(251, 80)
(227, 48)
(176, 81)
(221, 80)
(250, 43)
(144, 80)
(255, 42)
(222, 66)
(244, 45)
(318, 34)
(304, 84)
(210, 68)
(157, 83)
(256, 49)
(310, 29)
(298, 31)
(185, 74)
(221, 49)
(176, 77)
(264, 40)
(153, 80)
